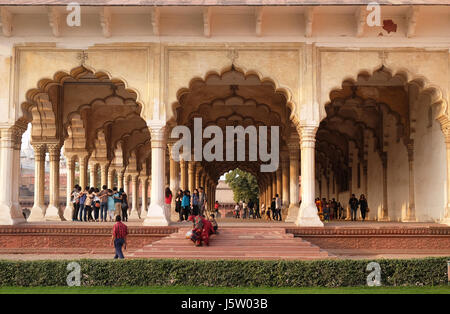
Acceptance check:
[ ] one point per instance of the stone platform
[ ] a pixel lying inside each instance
(70, 240)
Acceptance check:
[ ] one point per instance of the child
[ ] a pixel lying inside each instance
(213, 221)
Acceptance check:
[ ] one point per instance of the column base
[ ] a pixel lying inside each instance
(37, 214)
(409, 219)
(134, 214)
(68, 211)
(7, 217)
(384, 219)
(156, 216)
(308, 216)
(292, 213)
(52, 214)
(445, 221)
(348, 215)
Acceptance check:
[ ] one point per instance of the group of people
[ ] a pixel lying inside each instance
(202, 228)
(252, 210)
(187, 205)
(91, 204)
(249, 210)
(333, 210)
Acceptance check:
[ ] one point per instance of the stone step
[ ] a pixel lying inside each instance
(235, 243)
(230, 254)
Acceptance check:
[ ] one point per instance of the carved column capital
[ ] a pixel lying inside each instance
(308, 136)
(158, 135)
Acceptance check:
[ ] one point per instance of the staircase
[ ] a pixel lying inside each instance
(235, 243)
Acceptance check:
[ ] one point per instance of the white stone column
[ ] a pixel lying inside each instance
(191, 175)
(384, 213)
(157, 215)
(93, 175)
(134, 200)
(121, 181)
(294, 183)
(410, 210)
(144, 196)
(37, 212)
(83, 165)
(69, 187)
(10, 214)
(285, 183)
(110, 178)
(308, 211)
(104, 175)
(279, 175)
(183, 175)
(53, 212)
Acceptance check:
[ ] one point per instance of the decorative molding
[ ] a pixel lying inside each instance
(309, 19)
(411, 20)
(106, 21)
(54, 20)
(6, 21)
(259, 13)
(207, 15)
(156, 21)
(399, 231)
(361, 20)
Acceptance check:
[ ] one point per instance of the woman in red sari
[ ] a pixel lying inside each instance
(201, 230)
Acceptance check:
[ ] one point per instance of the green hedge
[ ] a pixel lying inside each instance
(146, 272)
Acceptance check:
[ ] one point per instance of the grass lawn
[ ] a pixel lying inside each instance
(224, 290)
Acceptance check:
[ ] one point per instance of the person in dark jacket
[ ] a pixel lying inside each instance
(353, 203)
(363, 206)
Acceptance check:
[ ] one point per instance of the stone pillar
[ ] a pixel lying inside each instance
(83, 163)
(308, 211)
(174, 169)
(104, 175)
(285, 183)
(53, 212)
(191, 175)
(269, 190)
(446, 130)
(157, 215)
(93, 175)
(384, 213)
(197, 176)
(37, 212)
(144, 192)
(121, 182)
(366, 185)
(10, 213)
(279, 182)
(110, 178)
(135, 214)
(274, 184)
(350, 190)
(411, 211)
(294, 183)
(69, 188)
(183, 175)
(126, 183)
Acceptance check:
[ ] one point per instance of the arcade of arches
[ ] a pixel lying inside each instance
(381, 134)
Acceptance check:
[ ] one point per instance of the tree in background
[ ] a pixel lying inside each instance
(243, 184)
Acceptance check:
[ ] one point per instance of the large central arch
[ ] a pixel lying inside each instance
(237, 98)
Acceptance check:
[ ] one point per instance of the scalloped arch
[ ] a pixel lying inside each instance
(285, 91)
(425, 87)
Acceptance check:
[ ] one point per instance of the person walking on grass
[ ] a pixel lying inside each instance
(119, 237)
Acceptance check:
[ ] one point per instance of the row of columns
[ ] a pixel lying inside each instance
(157, 215)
